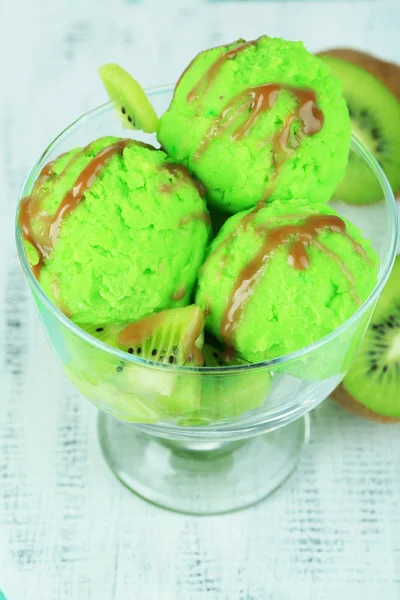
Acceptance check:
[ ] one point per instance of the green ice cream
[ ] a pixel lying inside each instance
(134, 242)
(258, 121)
(281, 277)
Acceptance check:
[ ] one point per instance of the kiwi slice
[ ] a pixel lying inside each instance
(173, 337)
(129, 98)
(122, 404)
(372, 386)
(374, 107)
(224, 396)
(387, 72)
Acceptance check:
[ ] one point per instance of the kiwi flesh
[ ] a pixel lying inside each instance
(387, 72)
(224, 396)
(372, 386)
(374, 106)
(171, 337)
(107, 396)
(130, 100)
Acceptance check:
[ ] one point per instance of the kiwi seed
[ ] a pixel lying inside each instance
(166, 336)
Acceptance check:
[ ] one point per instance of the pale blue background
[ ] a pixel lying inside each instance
(68, 529)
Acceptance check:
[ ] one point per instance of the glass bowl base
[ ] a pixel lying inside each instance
(206, 479)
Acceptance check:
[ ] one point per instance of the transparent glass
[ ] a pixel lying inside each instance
(206, 440)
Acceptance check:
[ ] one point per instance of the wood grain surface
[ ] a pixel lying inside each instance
(68, 529)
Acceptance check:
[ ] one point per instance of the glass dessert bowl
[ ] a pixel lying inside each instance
(241, 431)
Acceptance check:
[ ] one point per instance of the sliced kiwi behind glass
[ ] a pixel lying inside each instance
(172, 337)
(372, 386)
(131, 102)
(224, 396)
(108, 397)
(374, 111)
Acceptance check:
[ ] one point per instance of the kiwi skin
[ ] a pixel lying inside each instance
(342, 397)
(385, 319)
(387, 72)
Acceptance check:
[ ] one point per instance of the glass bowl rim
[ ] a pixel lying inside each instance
(268, 364)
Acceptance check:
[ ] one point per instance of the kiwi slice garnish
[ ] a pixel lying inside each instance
(373, 100)
(372, 386)
(130, 100)
(173, 336)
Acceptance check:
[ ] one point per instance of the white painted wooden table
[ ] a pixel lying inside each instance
(68, 530)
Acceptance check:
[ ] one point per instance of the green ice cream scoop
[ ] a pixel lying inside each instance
(280, 277)
(260, 120)
(115, 231)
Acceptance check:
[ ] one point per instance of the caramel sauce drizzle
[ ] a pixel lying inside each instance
(196, 356)
(45, 174)
(240, 42)
(298, 237)
(243, 224)
(140, 331)
(312, 120)
(200, 215)
(229, 354)
(179, 293)
(207, 309)
(206, 81)
(349, 276)
(31, 206)
(182, 174)
(254, 102)
(55, 288)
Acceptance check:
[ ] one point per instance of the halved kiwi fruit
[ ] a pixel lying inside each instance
(172, 337)
(130, 100)
(371, 88)
(387, 72)
(372, 386)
